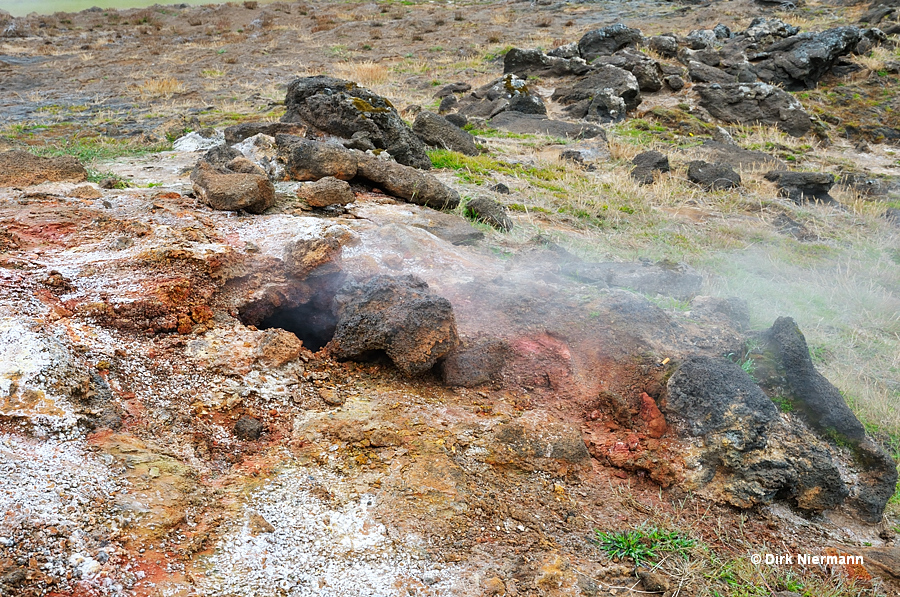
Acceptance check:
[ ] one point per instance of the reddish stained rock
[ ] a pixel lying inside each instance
(650, 414)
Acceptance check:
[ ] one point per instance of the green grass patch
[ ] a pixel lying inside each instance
(478, 168)
(645, 544)
(90, 150)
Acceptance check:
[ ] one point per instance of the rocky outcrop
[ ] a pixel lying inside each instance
(713, 177)
(497, 96)
(801, 187)
(745, 455)
(646, 163)
(607, 40)
(437, 131)
(646, 70)
(585, 97)
(788, 372)
(344, 109)
(396, 315)
(755, 103)
(21, 169)
(240, 184)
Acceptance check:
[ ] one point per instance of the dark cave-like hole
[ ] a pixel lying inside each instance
(310, 322)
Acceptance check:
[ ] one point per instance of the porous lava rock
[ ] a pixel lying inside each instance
(755, 103)
(491, 212)
(473, 365)
(326, 191)
(248, 429)
(607, 40)
(398, 315)
(21, 169)
(745, 455)
(245, 130)
(409, 184)
(581, 96)
(342, 108)
(801, 187)
(534, 63)
(646, 163)
(312, 160)
(713, 176)
(788, 371)
(437, 131)
(238, 185)
(536, 124)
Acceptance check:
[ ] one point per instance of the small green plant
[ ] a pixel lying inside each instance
(642, 544)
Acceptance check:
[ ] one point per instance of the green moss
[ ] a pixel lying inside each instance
(365, 107)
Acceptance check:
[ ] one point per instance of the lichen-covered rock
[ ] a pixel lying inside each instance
(755, 103)
(226, 189)
(344, 109)
(607, 40)
(534, 63)
(21, 169)
(605, 80)
(396, 315)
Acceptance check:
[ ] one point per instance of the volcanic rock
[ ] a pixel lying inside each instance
(397, 315)
(645, 69)
(534, 63)
(229, 189)
(344, 109)
(248, 429)
(580, 95)
(535, 124)
(326, 191)
(755, 103)
(476, 364)
(22, 169)
(409, 184)
(646, 163)
(736, 156)
(312, 160)
(527, 104)
(607, 40)
(664, 45)
(451, 88)
(312, 255)
(800, 187)
(713, 177)
(245, 130)
(436, 131)
(489, 211)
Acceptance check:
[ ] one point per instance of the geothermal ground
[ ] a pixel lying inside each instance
(513, 353)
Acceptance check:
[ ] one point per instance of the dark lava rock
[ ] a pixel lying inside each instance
(764, 28)
(311, 160)
(220, 155)
(622, 83)
(437, 131)
(397, 315)
(485, 209)
(459, 120)
(451, 88)
(675, 82)
(535, 124)
(448, 103)
(799, 61)
(535, 63)
(789, 371)
(704, 73)
(500, 189)
(326, 191)
(22, 169)
(664, 45)
(646, 163)
(748, 456)
(678, 280)
(646, 70)
(738, 157)
(248, 429)
(239, 132)
(527, 104)
(607, 40)
(344, 109)
(494, 97)
(755, 103)
(803, 186)
(228, 188)
(713, 177)
(475, 365)
(404, 182)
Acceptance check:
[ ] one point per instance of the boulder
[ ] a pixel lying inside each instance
(787, 370)
(240, 185)
(535, 124)
(409, 184)
(645, 69)
(248, 429)
(436, 131)
(448, 102)
(476, 364)
(342, 108)
(746, 455)
(326, 191)
(397, 315)
(451, 88)
(603, 94)
(245, 130)
(800, 187)
(312, 160)
(527, 104)
(489, 211)
(22, 169)
(713, 177)
(755, 103)
(646, 163)
(766, 29)
(735, 155)
(664, 45)
(607, 40)
(534, 63)
(799, 61)
(704, 73)
(495, 97)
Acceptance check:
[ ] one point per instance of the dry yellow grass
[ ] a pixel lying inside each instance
(164, 88)
(365, 73)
